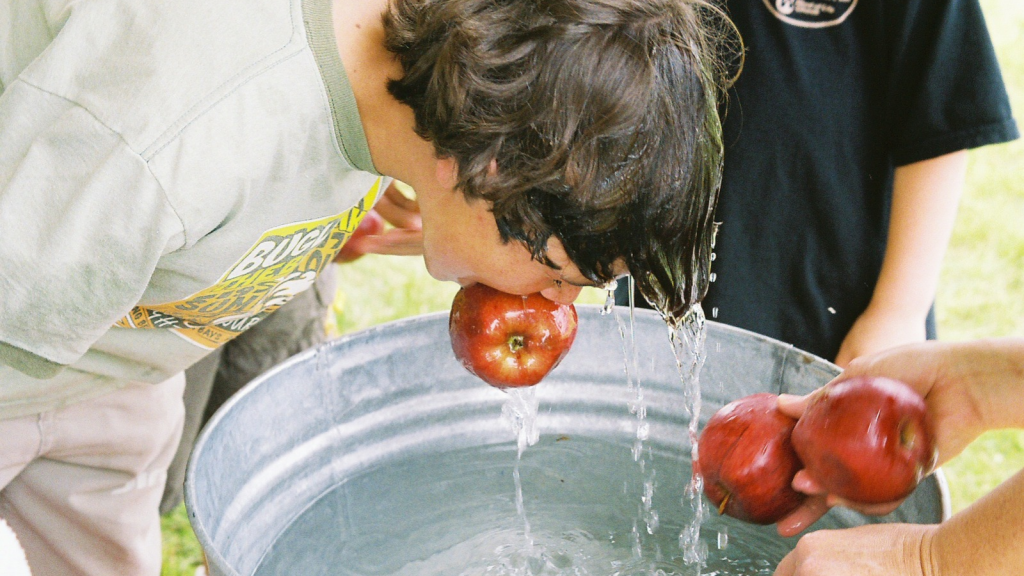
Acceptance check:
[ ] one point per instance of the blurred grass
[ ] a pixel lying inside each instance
(981, 293)
(982, 289)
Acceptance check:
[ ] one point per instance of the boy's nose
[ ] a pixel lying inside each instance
(564, 294)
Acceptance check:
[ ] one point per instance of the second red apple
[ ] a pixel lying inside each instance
(748, 461)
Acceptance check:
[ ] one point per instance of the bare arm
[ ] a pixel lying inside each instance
(925, 198)
(984, 539)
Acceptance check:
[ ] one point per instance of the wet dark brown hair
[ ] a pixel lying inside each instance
(600, 114)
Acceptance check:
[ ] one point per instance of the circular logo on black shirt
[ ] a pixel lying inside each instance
(811, 13)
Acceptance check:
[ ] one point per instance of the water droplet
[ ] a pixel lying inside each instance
(609, 301)
(643, 431)
(723, 539)
(714, 312)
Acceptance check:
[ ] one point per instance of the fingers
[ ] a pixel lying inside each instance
(804, 482)
(394, 242)
(867, 509)
(399, 210)
(819, 502)
(793, 406)
(808, 513)
(395, 195)
(405, 238)
(917, 364)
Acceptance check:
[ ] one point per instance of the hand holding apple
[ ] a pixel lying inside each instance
(748, 461)
(866, 439)
(508, 340)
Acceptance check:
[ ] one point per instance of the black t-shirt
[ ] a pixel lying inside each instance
(834, 94)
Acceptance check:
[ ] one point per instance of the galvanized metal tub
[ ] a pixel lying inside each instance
(356, 446)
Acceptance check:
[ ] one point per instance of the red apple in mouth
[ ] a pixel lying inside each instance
(867, 440)
(509, 340)
(748, 461)
(372, 224)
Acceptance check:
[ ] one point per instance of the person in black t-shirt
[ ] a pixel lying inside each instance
(845, 137)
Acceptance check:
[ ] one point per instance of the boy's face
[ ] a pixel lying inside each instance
(461, 243)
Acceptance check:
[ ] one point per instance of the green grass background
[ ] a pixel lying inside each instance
(981, 293)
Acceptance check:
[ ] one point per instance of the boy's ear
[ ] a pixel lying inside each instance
(447, 173)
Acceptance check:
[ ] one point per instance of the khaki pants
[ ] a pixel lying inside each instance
(80, 486)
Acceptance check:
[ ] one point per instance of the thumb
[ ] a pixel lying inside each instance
(792, 405)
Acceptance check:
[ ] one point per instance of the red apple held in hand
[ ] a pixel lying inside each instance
(748, 461)
(508, 340)
(867, 440)
(372, 224)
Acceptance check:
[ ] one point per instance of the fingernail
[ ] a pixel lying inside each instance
(802, 483)
(791, 528)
